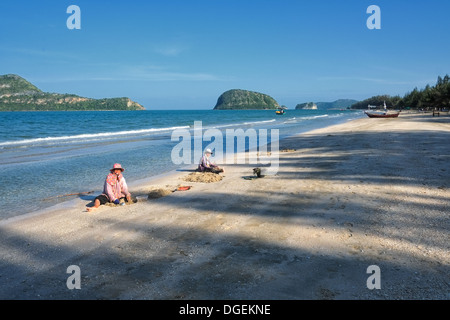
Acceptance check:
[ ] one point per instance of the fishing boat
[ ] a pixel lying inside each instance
(280, 111)
(382, 113)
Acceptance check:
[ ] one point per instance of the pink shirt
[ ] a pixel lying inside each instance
(115, 187)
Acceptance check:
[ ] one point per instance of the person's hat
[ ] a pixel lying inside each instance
(208, 151)
(117, 166)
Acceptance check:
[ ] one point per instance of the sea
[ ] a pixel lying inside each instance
(49, 158)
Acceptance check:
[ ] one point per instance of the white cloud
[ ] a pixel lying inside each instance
(137, 73)
(42, 53)
(375, 80)
(169, 50)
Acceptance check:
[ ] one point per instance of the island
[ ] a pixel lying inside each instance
(17, 94)
(237, 99)
(306, 106)
(335, 105)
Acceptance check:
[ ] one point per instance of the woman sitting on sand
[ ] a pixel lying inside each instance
(114, 189)
(206, 165)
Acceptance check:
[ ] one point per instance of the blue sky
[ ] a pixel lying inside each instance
(184, 54)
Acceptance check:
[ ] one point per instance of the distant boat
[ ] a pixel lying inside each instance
(280, 111)
(381, 114)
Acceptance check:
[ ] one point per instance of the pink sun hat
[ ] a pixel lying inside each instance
(117, 166)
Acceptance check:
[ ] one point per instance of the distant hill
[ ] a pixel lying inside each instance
(17, 94)
(237, 99)
(307, 105)
(338, 104)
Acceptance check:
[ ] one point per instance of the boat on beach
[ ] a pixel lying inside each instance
(381, 113)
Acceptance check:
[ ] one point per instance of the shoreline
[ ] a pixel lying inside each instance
(345, 197)
(78, 203)
(133, 184)
(142, 163)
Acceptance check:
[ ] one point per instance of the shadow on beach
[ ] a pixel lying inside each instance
(338, 204)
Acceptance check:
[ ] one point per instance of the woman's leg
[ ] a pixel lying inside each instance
(96, 205)
(99, 200)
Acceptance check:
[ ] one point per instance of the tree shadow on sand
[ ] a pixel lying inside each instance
(209, 258)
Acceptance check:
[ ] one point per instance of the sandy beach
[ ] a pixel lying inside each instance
(346, 197)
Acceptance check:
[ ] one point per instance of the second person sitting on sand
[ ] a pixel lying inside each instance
(114, 189)
(206, 165)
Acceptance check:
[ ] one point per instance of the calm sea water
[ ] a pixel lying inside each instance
(44, 155)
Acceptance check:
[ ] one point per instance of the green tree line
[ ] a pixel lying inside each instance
(51, 102)
(429, 98)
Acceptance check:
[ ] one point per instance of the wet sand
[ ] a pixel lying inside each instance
(346, 197)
